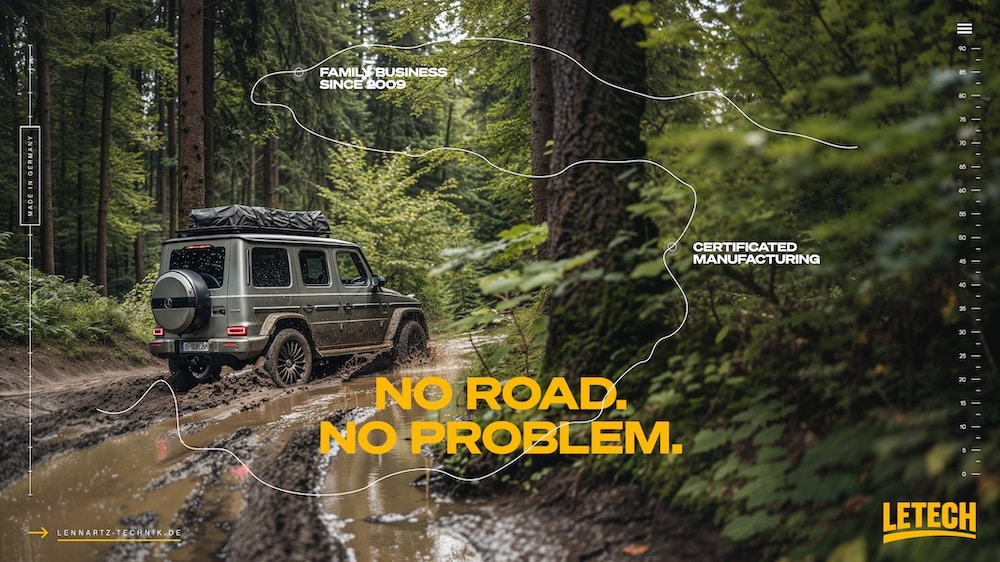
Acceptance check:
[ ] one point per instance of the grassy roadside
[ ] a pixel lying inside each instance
(71, 318)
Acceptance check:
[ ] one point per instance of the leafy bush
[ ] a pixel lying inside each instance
(401, 227)
(71, 315)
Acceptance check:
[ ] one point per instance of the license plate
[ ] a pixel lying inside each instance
(194, 347)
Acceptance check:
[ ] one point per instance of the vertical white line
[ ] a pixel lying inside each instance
(31, 319)
(29, 83)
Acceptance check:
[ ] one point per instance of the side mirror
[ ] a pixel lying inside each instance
(377, 282)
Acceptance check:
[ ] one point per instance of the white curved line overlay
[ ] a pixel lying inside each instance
(652, 97)
(423, 153)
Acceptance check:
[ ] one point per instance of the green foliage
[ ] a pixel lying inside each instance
(513, 244)
(515, 281)
(807, 396)
(70, 315)
(71, 36)
(401, 229)
(135, 305)
(506, 299)
(489, 100)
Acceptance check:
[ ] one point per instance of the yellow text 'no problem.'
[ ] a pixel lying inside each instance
(538, 437)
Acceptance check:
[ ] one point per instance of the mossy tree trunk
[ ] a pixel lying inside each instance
(192, 109)
(594, 326)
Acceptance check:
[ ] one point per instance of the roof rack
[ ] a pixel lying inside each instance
(246, 219)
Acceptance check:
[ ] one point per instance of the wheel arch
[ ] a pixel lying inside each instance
(399, 317)
(275, 323)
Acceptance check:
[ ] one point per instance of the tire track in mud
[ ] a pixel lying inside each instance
(294, 524)
(68, 419)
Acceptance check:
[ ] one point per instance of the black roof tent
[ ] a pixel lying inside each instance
(235, 219)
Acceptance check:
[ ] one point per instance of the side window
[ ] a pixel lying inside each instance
(313, 266)
(269, 267)
(350, 268)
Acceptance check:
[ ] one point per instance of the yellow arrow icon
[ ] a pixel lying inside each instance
(44, 532)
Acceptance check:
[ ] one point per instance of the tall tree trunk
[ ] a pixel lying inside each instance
(541, 107)
(251, 192)
(172, 183)
(266, 186)
(192, 112)
(234, 191)
(82, 267)
(593, 328)
(140, 252)
(275, 171)
(271, 172)
(158, 166)
(105, 176)
(45, 120)
(81, 270)
(208, 100)
(172, 206)
(117, 259)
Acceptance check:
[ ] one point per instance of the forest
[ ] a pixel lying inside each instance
(548, 176)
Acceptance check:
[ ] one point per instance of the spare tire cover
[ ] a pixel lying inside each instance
(180, 301)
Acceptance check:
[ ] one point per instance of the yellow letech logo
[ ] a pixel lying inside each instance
(913, 520)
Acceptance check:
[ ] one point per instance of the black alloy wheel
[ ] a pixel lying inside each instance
(289, 359)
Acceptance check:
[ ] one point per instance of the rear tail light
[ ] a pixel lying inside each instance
(158, 332)
(236, 331)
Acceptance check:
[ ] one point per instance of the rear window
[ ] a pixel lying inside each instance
(207, 261)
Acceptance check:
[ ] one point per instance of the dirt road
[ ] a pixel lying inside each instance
(124, 487)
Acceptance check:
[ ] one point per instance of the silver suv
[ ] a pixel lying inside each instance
(247, 285)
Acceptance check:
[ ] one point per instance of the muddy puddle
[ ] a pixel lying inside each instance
(144, 495)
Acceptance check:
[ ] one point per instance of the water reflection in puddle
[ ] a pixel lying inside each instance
(149, 471)
(393, 520)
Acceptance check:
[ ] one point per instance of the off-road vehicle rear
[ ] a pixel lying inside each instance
(252, 285)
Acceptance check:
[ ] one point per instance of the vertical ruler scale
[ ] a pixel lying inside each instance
(29, 203)
(971, 145)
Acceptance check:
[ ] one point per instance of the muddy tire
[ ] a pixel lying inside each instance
(289, 359)
(184, 377)
(410, 344)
